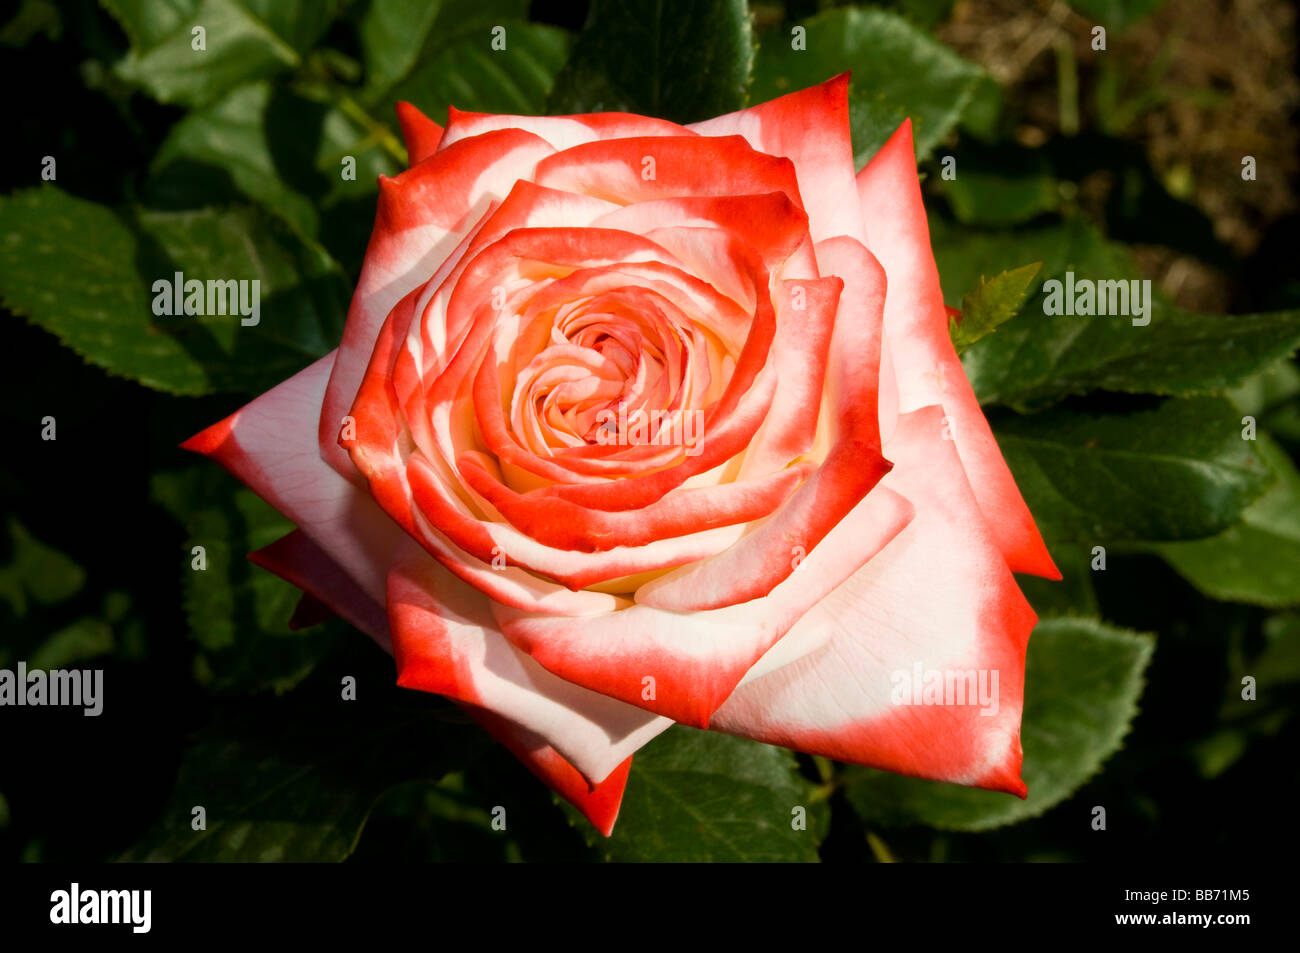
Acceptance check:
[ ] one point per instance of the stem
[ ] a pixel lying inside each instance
(880, 849)
(377, 130)
(317, 82)
(825, 769)
(1067, 86)
(821, 793)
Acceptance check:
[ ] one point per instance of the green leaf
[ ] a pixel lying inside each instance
(1268, 389)
(392, 34)
(463, 70)
(35, 576)
(1082, 682)
(1037, 359)
(442, 822)
(989, 304)
(1283, 422)
(702, 796)
(997, 199)
(679, 62)
(82, 273)
(276, 148)
(898, 72)
(85, 639)
(998, 185)
(1258, 560)
(412, 40)
(1180, 471)
(1278, 664)
(35, 572)
(34, 17)
(964, 253)
(1243, 721)
(238, 613)
(244, 40)
(295, 779)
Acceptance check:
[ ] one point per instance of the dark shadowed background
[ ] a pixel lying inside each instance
(1120, 162)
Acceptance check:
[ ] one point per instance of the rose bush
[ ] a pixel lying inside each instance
(635, 423)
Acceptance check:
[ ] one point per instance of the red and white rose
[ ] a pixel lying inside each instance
(635, 423)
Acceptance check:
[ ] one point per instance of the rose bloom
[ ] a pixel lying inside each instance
(635, 423)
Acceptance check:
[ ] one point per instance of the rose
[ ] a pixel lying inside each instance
(488, 477)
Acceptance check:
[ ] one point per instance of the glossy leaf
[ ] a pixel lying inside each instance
(1037, 358)
(899, 72)
(392, 34)
(464, 71)
(1180, 471)
(702, 796)
(1257, 560)
(683, 62)
(81, 272)
(242, 40)
(278, 149)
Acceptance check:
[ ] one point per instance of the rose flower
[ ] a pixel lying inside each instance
(635, 423)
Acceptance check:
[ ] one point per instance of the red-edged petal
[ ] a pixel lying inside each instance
(297, 560)
(423, 215)
(609, 546)
(940, 597)
(598, 804)
(564, 525)
(693, 661)
(421, 133)
(810, 127)
(445, 640)
(770, 224)
(308, 612)
(645, 168)
(805, 311)
(849, 441)
(562, 132)
(270, 445)
(925, 365)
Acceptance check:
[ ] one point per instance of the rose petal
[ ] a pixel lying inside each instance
(421, 133)
(598, 804)
(423, 214)
(297, 560)
(266, 445)
(691, 526)
(937, 596)
(562, 132)
(925, 365)
(695, 660)
(770, 224)
(848, 440)
(446, 641)
(811, 127)
(805, 320)
(308, 612)
(645, 168)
